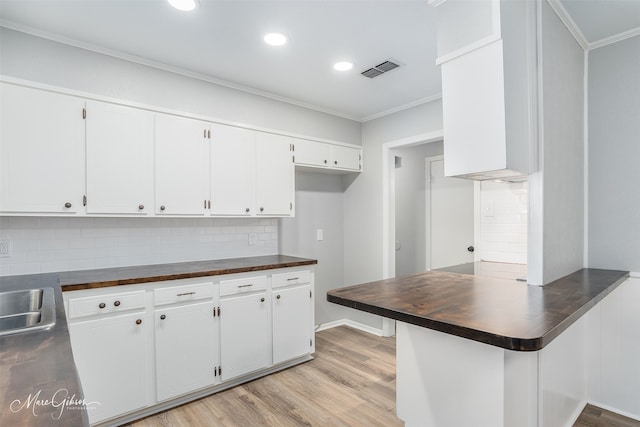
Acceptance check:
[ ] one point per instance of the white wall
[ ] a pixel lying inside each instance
(410, 203)
(363, 195)
(562, 148)
(502, 222)
(319, 205)
(45, 61)
(53, 244)
(41, 245)
(614, 154)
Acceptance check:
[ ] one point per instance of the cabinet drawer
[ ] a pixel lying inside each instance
(239, 286)
(110, 303)
(183, 292)
(290, 278)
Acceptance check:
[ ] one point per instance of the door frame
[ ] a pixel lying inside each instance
(427, 208)
(388, 196)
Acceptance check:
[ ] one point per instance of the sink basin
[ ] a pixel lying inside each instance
(27, 310)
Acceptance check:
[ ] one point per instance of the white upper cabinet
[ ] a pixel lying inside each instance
(182, 165)
(275, 191)
(489, 93)
(327, 156)
(232, 170)
(346, 158)
(119, 159)
(41, 151)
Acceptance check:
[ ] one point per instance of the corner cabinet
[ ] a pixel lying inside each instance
(320, 156)
(41, 151)
(143, 348)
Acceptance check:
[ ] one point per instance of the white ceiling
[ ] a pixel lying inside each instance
(222, 41)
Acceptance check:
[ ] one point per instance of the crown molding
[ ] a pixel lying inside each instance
(566, 19)
(172, 69)
(615, 38)
(402, 107)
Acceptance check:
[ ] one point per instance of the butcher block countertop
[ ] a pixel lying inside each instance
(39, 384)
(501, 312)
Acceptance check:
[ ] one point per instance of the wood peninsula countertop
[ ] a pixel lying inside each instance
(500, 312)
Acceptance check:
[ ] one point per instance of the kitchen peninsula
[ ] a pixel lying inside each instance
(481, 351)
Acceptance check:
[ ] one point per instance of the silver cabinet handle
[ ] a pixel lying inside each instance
(247, 210)
(185, 293)
(162, 207)
(67, 205)
(245, 286)
(162, 317)
(141, 207)
(293, 278)
(261, 299)
(102, 305)
(139, 322)
(261, 209)
(278, 297)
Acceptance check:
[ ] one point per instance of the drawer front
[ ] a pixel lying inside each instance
(290, 278)
(110, 303)
(239, 286)
(184, 292)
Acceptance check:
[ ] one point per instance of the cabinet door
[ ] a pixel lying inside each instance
(245, 334)
(119, 159)
(311, 153)
(292, 331)
(232, 170)
(345, 157)
(182, 165)
(274, 175)
(41, 151)
(111, 357)
(187, 352)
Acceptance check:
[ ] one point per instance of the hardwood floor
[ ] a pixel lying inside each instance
(351, 382)
(592, 416)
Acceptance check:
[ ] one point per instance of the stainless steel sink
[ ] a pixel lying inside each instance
(27, 310)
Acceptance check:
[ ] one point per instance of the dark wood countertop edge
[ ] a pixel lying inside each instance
(506, 342)
(177, 276)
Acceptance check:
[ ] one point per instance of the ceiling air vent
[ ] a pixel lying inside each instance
(380, 69)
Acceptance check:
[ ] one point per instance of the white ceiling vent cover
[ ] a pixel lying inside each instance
(382, 68)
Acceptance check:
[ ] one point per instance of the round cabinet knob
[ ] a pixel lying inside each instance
(102, 305)
(261, 209)
(162, 208)
(140, 207)
(278, 297)
(162, 317)
(67, 205)
(335, 162)
(325, 162)
(139, 322)
(116, 303)
(247, 210)
(261, 299)
(471, 249)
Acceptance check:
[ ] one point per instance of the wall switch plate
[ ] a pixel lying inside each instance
(319, 234)
(5, 248)
(253, 238)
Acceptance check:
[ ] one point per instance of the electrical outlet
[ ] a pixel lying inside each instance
(253, 238)
(5, 248)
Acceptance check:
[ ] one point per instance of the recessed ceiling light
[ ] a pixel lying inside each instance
(275, 39)
(185, 5)
(342, 66)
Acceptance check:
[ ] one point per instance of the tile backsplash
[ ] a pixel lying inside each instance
(503, 222)
(46, 244)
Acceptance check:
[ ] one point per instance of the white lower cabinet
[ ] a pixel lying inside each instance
(292, 336)
(187, 352)
(245, 334)
(137, 346)
(111, 358)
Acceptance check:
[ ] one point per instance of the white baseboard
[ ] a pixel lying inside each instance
(616, 410)
(351, 323)
(576, 414)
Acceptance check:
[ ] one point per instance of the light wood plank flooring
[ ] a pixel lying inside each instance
(351, 382)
